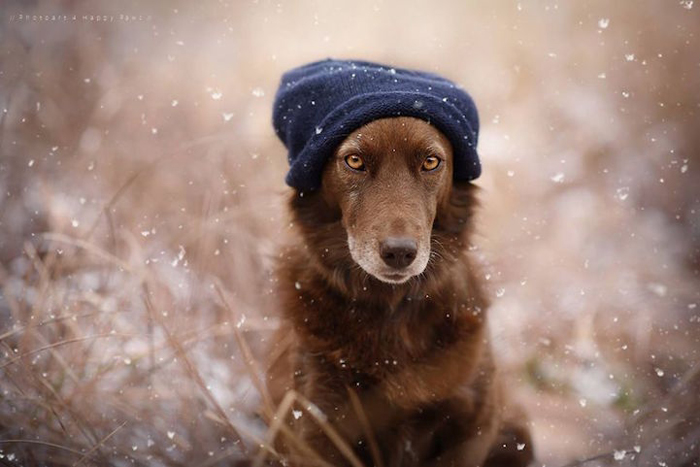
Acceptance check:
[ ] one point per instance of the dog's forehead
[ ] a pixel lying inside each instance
(399, 133)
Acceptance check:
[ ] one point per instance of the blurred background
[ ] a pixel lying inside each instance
(142, 202)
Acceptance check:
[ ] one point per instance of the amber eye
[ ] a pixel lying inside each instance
(355, 162)
(430, 163)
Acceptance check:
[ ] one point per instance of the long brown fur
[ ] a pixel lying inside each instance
(417, 354)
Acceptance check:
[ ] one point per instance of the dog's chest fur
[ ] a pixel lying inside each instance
(413, 355)
(379, 331)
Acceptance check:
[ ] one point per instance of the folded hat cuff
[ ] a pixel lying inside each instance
(306, 169)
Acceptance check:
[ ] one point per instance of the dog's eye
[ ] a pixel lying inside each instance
(430, 163)
(355, 162)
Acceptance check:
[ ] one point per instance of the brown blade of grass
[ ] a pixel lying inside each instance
(67, 370)
(110, 226)
(51, 407)
(606, 455)
(99, 443)
(56, 319)
(187, 339)
(135, 250)
(40, 266)
(192, 371)
(44, 283)
(303, 447)
(233, 451)
(683, 383)
(20, 388)
(278, 426)
(252, 368)
(90, 247)
(41, 443)
(83, 427)
(113, 200)
(277, 421)
(364, 422)
(319, 417)
(60, 344)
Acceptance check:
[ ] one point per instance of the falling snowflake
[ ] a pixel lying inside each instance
(622, 193)
(558, 178)
(180, 256)
(659, 290)
(240, 322)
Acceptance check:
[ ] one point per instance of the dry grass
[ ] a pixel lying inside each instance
(142, 205)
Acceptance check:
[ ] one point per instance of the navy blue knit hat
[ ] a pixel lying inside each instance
(319, 104)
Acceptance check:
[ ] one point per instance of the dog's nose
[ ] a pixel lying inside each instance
(398, 252)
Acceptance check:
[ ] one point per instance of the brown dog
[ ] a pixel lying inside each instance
(384, 312)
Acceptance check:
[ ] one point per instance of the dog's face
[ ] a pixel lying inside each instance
(389, 178)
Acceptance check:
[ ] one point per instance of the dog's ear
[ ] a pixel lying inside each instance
(313, 209)
(455, 214)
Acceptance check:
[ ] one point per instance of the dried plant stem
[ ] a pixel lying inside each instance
(192, 371)
(87, 246)
(59, 344)
(100, 443)
(57, 319)
(315, 412)
(253, 371)
(598, 457)
(369, 433)
(41, 443)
